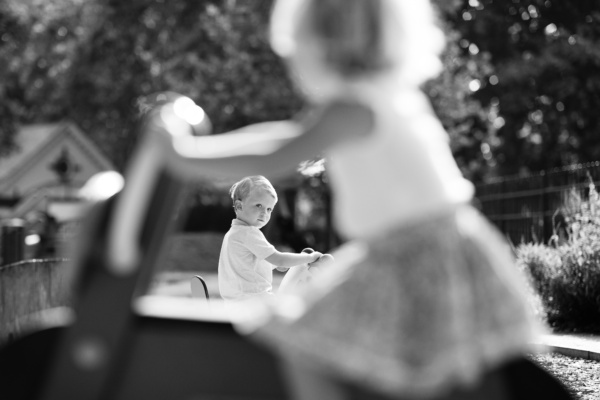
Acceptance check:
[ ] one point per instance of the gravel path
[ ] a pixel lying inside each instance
(580, 376)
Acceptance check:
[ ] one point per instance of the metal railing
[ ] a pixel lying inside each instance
(526, 208)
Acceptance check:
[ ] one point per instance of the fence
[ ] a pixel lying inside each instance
(26, 288)
(526, 209)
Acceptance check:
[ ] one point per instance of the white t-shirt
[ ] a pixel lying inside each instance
(243, 271)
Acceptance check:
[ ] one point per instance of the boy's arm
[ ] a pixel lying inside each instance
(287, 260)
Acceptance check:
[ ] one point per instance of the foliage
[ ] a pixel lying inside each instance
(541, 91)
(540, 264)
(96, 63)
(518, 92)
(566, 274)
(464, 118)
(39, 41)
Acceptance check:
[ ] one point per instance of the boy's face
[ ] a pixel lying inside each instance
(255, 210)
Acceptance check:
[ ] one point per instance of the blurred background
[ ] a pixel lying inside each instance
(519, 97)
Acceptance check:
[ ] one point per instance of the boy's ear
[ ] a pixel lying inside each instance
(237, 205)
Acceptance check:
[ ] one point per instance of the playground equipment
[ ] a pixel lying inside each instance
(198, 288)
(120, 343)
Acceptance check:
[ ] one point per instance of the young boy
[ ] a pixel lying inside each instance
(247, 259)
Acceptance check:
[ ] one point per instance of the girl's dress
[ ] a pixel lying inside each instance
(426, 294)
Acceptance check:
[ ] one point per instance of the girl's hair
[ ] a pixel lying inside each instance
(357, 38)
(241, 189)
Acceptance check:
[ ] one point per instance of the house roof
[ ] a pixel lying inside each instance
(29, 139)
(33, 140)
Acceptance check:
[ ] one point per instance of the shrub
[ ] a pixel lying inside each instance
(540, 264)
(566, 273)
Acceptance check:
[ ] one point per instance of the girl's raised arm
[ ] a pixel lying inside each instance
(273, 149)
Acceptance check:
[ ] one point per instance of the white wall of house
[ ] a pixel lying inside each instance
(30, 176)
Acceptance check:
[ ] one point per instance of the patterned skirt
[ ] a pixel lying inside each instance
(414, 311)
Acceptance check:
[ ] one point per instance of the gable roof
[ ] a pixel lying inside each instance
(29, 139)
(33, 140)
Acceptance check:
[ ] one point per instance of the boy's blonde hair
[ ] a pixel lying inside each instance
(241, 189)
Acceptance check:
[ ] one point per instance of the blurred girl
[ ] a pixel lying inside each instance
(426, 297)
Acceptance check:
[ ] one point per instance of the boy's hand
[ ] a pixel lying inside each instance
(325, 259)
(315, 256)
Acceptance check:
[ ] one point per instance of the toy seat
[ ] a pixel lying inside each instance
(199, 288)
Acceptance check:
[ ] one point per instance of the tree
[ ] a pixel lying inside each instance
(542, 89)
(463, 117)
(215, 52)
(519, 90)
(96, 63)
(38, 42)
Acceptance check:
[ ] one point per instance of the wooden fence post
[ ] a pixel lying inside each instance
(13, 241)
